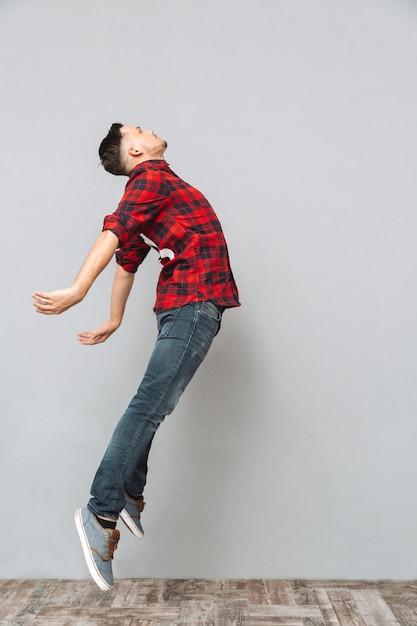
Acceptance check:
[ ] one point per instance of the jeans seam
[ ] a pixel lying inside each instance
(175, 370)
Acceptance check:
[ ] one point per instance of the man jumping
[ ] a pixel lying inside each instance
(158, 210)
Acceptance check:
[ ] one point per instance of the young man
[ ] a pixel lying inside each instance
(158, 210)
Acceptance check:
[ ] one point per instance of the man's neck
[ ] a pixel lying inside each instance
(146, 160)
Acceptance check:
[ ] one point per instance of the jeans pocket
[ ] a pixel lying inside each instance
(211, 310)
(166, 320)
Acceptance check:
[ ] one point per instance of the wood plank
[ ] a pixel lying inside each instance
(256, 591)
(231, 613)
(13, 595)
(373, 608)
(279, 621)
(279, 592)
(326, 608)
(266, 591)
(138, 593)
(16, 590)
(406, 615)
(196, 613)
(303, 592)
(175, 590)
(344, 606)
(398, 593)
(281, 610)
(118, 615)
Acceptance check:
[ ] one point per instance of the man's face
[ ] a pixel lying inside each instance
(145, 140)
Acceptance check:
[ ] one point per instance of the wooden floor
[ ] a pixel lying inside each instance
(146, 602)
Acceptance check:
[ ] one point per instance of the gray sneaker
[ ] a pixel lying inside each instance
(98, 545)
(131, 515)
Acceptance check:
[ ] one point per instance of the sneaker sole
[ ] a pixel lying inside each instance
(95, 574)
(128, 521)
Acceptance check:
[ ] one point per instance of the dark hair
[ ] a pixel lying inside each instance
(109, 151)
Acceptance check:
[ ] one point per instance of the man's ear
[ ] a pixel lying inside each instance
(134, 151)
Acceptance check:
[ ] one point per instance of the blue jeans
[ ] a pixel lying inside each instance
(184, 337)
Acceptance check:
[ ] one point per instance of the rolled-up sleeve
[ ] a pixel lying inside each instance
(133, 254)
(122, 229)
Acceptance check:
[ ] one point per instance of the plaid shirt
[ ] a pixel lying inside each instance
(159, 210)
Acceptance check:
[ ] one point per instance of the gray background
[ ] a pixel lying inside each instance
(293, 453)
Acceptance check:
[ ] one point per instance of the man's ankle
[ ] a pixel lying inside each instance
(106, 522)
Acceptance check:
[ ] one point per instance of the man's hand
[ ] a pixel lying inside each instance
(100, 334)
(56, 302)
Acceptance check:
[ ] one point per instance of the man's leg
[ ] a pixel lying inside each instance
(135, 503)
(136, 484)
(184, 338)
(185, 335)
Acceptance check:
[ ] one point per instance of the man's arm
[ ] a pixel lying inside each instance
(122, 284)
(56, 302)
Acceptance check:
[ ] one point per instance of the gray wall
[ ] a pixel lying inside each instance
(293, 453)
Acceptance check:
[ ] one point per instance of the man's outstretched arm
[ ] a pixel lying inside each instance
(122, 284)
(56, 302)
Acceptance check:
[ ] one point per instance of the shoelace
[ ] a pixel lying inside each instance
(112, 539)
(111, 544)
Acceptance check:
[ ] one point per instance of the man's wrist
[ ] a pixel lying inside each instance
(78, 292)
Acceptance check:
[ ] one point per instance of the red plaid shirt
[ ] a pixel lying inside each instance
(159, 210)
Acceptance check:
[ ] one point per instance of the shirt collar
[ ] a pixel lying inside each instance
(151, 164)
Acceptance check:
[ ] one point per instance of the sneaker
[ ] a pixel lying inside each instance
(98, 545)
(131, 515)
